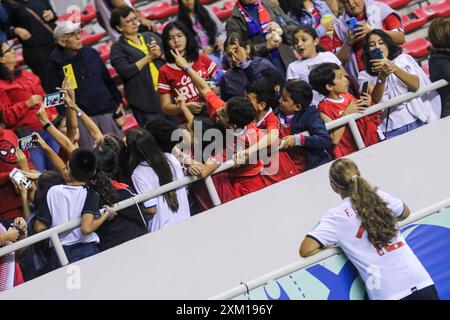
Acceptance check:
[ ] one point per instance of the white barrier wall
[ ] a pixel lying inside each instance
(251, 236)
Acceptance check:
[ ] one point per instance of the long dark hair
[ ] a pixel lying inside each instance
(191, 43)
(118, 146)
(202, 15)
(377, 219)
(143, 147)
(5, 73)
(394, 49)
(107, 170)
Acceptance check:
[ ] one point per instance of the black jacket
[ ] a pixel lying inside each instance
(440, 69)
(97, 93)
(139, 89)
(318, 143)
(18, 16)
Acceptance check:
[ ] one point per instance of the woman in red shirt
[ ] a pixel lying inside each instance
(21, 95)
(177, 36)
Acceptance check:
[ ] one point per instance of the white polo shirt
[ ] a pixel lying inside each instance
(145, 179)
(66, 203)
(389, 273)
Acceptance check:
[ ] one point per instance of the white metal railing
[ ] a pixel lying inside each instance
(350, 119)
(303, 263)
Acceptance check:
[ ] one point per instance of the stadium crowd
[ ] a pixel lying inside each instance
(257, 89)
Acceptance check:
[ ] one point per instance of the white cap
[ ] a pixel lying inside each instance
(65, 27)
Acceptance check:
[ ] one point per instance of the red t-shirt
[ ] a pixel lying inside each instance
(171, 78)
(391, 22)
(280, 166)
(297, 155)
(367, 126)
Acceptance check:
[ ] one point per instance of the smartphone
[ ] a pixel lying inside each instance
(28, 142)
(365, 87)
(18, 176)
(352, 23)
(54, 99)
(70, 75)
(375, 54)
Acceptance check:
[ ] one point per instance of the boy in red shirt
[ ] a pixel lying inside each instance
(279, 166)
(237, 114)
(328, 79)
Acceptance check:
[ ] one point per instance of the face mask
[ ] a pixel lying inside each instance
(243, 64)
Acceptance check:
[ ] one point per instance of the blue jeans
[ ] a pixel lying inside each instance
(40, 161)
(404, 129)
(76, 252)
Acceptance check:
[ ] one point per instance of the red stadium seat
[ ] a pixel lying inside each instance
(413, 22)
(130, 123)
(442, 8)
(426, 69)
(112, 72)
(87, 15)
(104, 50)
(225, 12)
(394, 4)
(89, 37)
(159, 11)
(426, 12)
(417, 48)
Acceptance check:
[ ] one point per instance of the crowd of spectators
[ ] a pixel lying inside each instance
(257, 89)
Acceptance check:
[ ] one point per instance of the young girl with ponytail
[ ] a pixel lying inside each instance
(364, 225)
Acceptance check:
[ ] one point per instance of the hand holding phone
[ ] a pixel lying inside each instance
(375, 54)
(54, 99)
(20, 179)
(365, 87)
(28, 142)
(352, 23)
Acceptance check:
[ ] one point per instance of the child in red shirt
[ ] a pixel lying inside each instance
(329, 80)
(279, 166)
(237, 114)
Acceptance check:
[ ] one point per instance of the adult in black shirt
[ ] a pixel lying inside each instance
(32, 21)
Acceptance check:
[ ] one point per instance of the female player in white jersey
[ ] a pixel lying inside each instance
(364, 225)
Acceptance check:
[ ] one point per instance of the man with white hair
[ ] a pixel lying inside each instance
(97, 94)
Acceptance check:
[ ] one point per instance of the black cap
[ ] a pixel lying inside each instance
(83, 164)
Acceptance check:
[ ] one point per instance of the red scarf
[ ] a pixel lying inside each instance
(253, 27)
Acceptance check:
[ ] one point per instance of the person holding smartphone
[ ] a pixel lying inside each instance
(392, 75)
(137, 57)
(359, 18)
(21, 95)
(97, 94)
